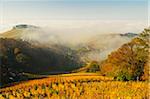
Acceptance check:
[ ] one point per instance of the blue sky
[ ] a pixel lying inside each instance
(63, 12)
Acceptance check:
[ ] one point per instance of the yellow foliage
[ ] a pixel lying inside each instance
(76, 87)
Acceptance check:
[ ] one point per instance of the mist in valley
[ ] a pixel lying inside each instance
(87, 44)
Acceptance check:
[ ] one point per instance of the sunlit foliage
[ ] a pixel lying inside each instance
(127, 63)
(76, 87)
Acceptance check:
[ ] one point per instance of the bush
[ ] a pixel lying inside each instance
(94, 66)
(124, 76)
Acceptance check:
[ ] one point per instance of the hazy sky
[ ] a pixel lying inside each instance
(93, 16)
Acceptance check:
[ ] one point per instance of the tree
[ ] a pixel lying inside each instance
(128, 61)
(21, 58)
(93, 66)
(146, 72)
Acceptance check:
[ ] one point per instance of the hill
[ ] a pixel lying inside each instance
(131, 60)
(32, 34)
(19, 56)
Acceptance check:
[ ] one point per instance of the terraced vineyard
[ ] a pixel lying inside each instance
(76, 86)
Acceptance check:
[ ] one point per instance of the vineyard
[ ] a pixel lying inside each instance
(76, 86)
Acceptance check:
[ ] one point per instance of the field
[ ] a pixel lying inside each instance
(76, 86)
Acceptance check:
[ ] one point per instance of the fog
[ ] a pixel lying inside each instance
(90, 36)
(104, 44)
(77, 31)
(80, 31)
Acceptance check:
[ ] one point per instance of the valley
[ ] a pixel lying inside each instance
(106, 66)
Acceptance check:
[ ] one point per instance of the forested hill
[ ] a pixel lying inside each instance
(19, 56)
(130, 61)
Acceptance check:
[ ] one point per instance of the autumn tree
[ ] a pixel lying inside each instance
(146, 72)
(128, 61)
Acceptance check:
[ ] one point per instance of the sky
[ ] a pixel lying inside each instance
(72, 16)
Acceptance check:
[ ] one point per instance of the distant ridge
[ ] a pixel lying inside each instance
(129, 34)
(21, 26)
(17, 31)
